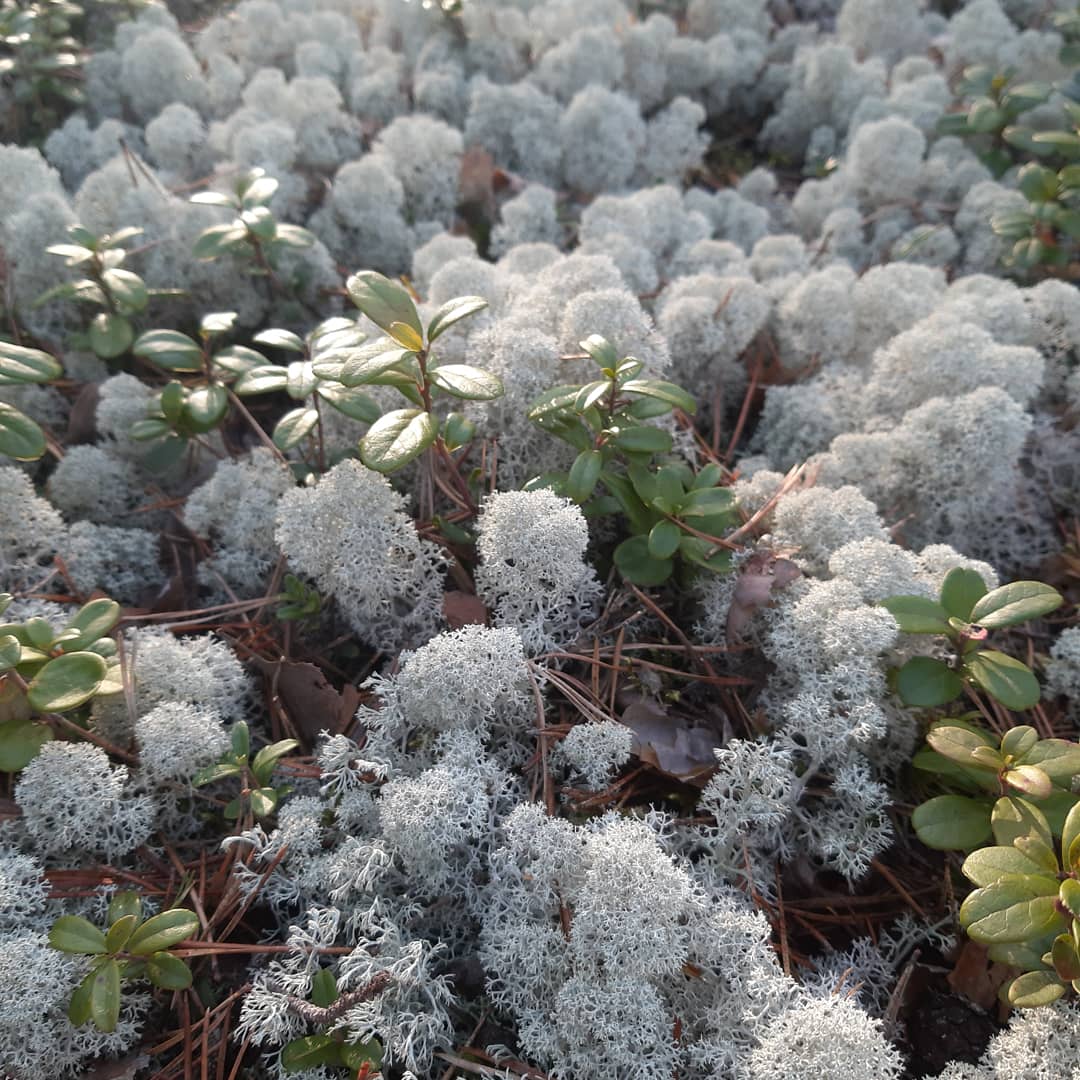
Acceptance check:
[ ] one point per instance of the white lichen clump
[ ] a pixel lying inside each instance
(350, 534)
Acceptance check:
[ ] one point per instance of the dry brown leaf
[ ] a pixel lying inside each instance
(976, 977)
(463, 609)
(312, 703)
(82, 419)
(671, 743)
(763, 572)
(476, 180)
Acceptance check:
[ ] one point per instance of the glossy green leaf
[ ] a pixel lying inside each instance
(213, 198)
(169, 349)
(72, 254)
(20, 437)
(1069, 895)
(110, 335)
(280, 339)
(212, 773)
(293, 236)
(259, 192)
(705, 502)
(18, 364)
(163, 931)
(1004, 678)
(961, 590)
(127, 288)
(1038, 183)
(1013, 817)
(124, 903)
(668, 489)
(925, 683)
(265, 379)
(601, 350)
(265, 761)
(1040, 853)
(10, 651)
(1023, 96)
(324, 991)
(622, 490)
(952, 823)
(1070, 833)
(1015, 603)
(1029, 781)
(1012, 225)
(469, 383)
(385, 303)
(235, 360)
(218, 240)
(453, 311)
(206, 407)
(263, 801)
(150, 429)
(79, 1006)
(396, 438)
(405, 384)
(1064, 957)
(705, 554)
(93, 620)
(917, 614)
(40, 632)
(74, 934)
(1058, 758)
(1014, 908)
(365, 364)
(168, 972)
(295, 426)
(355, 1055)
(637, 565)
(1065, 143)
(989, 864)
(1035, 989)
(351, 402)
(105, 996)
(20, 742)
(984, 116)
(556, 402)
(300, 380)
(120, 932)
(591, 394)
(240, 740)
(66, 682)
(583, 476)
(1017, 741)
(667, 392)
(309, 1053)
(664, 539)
(457, 430)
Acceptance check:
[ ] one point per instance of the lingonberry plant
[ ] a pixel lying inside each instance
(964, 614)
(624, 467)
(406, 361)
(131, 948)
(46, 672)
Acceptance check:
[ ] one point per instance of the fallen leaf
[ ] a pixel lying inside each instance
(463, 609)
(476, 180)
(312, 703)
(671, 743)
(82, 419)
(117, 1070)
(763, 572)
(975, 977)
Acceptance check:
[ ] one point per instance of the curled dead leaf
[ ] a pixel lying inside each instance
(671, 743)
(759, 576)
